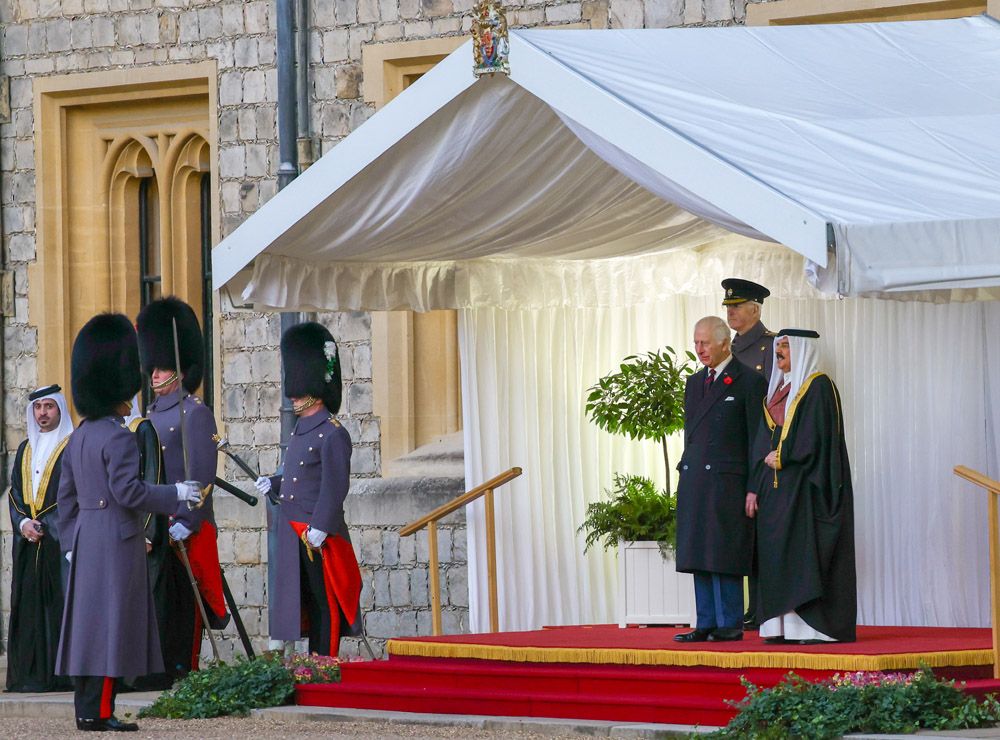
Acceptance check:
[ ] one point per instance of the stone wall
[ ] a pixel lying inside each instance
(53, 37)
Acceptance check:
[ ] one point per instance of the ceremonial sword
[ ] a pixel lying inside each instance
(222, 445)
(181, 548)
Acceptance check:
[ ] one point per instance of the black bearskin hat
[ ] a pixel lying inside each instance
(104, 367)
(156, 340)
(308, 369)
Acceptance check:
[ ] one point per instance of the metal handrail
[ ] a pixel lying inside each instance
(993, 487)
(430, 521)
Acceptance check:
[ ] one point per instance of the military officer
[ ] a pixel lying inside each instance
(753, 344)
(109, 624)
(317, 573)
(174, 389)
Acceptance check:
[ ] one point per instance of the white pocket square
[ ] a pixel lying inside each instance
(730, 398)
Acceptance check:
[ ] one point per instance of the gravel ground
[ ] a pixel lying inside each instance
(229, 728)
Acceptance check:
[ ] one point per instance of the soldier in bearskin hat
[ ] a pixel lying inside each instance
(174, 389)
(317, 572)
(109, 625)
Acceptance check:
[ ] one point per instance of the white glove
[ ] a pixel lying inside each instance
(263, 485)
(178, 531)
(315, 537)
(189, 490)
(69, 557)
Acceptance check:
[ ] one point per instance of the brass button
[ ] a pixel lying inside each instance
(292, 496)
(163, 447)
(102, 503)
(760, 367)
(310, 449)
(763, 347)
(295, 480)
(171, 429)
(302, 462)
(321, 434)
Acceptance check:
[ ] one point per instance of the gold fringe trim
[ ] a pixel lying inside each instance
(801, 661)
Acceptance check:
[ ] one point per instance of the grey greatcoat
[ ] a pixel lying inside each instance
(109, 625)
(755, 349)
(315, 483)
(714, 534)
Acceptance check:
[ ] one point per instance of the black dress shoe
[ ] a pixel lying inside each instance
(116, 725)
(112, 724)
(812, 642)
(726, 634)
(698, 635)
(776, 640)
(750, 621)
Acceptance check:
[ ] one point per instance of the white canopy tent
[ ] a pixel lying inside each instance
(586, 207)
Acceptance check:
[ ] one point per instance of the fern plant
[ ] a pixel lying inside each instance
(634, 510)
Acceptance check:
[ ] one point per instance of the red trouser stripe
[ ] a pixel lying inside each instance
(107, 694)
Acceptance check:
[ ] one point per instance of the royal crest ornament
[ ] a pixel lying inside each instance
(490, 44)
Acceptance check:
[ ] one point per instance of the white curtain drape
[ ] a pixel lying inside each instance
(918, 399)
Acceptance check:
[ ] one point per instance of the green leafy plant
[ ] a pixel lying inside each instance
(856, 702)
(226, 689)
(635, 510)
(644, 399)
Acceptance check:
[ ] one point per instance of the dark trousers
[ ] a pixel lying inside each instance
(718, 599)
(315, 605)
(94, 696)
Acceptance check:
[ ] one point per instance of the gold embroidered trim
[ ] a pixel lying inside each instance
(788, 420)
(36, 499)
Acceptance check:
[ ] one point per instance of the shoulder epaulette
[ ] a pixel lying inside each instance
(770, 333)
(334, 422)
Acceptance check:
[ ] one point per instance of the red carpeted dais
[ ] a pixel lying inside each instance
(644, 677)
(877, 648)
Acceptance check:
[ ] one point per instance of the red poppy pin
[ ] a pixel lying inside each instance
(727, 380)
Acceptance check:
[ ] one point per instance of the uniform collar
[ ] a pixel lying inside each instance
(307, 424)
(756, 332)
(167, 402)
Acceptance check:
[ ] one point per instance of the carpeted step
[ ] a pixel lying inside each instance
(520, 703)
(567, 679)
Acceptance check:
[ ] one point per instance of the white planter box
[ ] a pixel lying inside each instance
(650, 590)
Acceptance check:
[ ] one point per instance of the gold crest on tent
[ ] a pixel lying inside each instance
(489, 38)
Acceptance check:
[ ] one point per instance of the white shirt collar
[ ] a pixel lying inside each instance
(722, 365)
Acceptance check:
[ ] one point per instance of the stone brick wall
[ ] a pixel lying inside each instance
(47, 37)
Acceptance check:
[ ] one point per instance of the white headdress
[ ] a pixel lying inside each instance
(43, 444)
(805, 360)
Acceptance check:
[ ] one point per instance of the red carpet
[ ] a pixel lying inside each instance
(633, 675)
(877, 648)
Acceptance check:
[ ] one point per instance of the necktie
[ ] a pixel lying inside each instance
(709, 379)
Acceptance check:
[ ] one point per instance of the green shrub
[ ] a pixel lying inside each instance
(635, 510)
(857, 702)
(225, 689)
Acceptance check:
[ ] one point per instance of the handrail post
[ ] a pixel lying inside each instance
(993, 491)
(994, 582)
(491, 562)
(434, 576)
(430, 521)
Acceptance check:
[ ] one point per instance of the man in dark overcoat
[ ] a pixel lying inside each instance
(317, 574)
(109, 625)
(174, 393)
(722, 411)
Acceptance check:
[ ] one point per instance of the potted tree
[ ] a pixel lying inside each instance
(643, 400)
